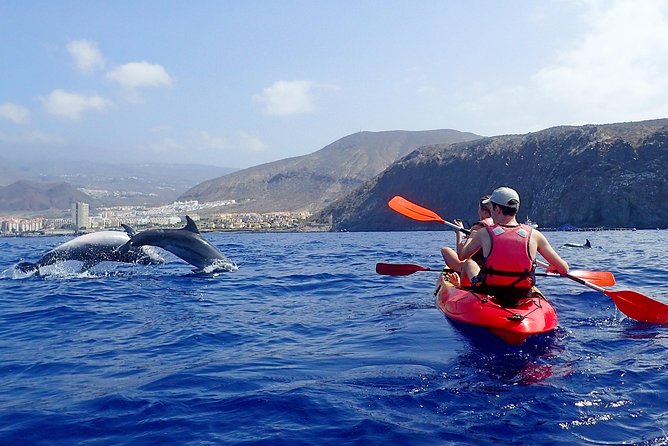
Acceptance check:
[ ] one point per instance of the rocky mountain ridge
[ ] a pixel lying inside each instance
(612, 175)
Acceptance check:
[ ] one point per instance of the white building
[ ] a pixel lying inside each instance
(80, 215)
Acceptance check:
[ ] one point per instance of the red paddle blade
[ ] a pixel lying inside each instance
(398, 269)
(639, 307)
(600, 278)
(412, 210)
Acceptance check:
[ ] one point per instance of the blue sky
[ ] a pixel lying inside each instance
(241, 83)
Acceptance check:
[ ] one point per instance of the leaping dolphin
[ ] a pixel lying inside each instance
(185, 243)
(587, 244)
(94, 248)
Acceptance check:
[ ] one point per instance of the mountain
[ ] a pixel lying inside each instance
(612, 175)
(32, 196)
(112, 184)
(310, 182)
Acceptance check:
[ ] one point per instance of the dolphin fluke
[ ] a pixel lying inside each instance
(27, 267)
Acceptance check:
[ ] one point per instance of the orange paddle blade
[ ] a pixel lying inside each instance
(600, 278)
(639, 307)
(412, 210)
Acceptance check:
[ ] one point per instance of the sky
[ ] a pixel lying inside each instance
(242, 83)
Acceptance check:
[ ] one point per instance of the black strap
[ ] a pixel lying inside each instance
(526, 274)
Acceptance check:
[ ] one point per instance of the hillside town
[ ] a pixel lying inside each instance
(207, 216)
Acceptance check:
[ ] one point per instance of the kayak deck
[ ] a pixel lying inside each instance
(530, 316)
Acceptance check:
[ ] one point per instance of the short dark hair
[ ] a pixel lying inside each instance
(506, 210)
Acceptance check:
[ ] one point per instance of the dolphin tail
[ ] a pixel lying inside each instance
(27, 267)
(129, 230)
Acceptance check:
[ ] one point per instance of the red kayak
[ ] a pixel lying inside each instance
(530, 316)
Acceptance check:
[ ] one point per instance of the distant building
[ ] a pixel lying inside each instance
(80, 215)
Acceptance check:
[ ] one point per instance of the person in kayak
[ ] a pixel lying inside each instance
(450, 256)
(509, 252)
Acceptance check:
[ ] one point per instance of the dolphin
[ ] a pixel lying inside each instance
(185, 243)
(587, 244)
(94, 248)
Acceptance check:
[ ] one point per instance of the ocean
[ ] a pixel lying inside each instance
(306, 345)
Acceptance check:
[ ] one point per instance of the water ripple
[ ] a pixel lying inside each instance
(305, 344)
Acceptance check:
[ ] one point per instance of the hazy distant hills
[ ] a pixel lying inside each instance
(312, 181)
(32, 196)
(97, 183)
(613, 175)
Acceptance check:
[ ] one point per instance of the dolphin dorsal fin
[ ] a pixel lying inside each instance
(129, 229)
(190, 225)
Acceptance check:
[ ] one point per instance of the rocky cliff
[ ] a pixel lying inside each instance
(312, 181)
(613, 175)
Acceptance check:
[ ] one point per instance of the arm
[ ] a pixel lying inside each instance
(546, 250)
(471, 245)
(461, 238)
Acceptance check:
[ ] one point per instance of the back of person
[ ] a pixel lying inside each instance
(508, 269)
(510, 249)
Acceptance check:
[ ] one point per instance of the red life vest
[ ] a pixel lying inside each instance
(508, 263)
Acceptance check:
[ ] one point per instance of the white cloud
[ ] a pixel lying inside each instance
(206, 140)
(287, 98)
(619, 69)
(87, 57)
(72, 105)
(34, 137)
(248, 142)
(140, 74)
(203, 143)
(166, 145)
(14, 113)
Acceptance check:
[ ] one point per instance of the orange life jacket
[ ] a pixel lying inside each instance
(508, 263)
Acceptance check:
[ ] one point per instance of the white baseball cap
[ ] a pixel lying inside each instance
(504, 196)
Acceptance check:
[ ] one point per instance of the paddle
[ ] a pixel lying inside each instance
(633, 304)
(600, 278)
(404, 269)
(417, 212)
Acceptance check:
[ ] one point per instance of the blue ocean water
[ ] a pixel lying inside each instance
(305, 344)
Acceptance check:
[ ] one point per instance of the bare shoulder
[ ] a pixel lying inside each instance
(476, 226)
(539, 236)
(479, 234)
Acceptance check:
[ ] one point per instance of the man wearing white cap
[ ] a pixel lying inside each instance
(509, 249)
